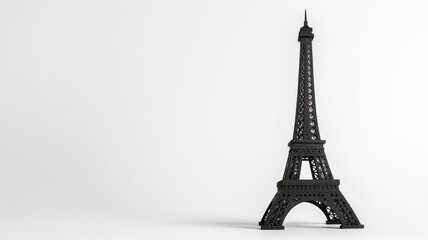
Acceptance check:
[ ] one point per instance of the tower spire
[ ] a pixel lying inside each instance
(306, 20)
(305, 31)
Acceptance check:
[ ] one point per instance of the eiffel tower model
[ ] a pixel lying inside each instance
(306, 145)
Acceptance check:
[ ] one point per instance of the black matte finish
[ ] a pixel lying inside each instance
(306, 145)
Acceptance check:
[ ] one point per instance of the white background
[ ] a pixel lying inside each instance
(161, 119)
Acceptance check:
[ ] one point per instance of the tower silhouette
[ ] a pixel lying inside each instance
(306, 145)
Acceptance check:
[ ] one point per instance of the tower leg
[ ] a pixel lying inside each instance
(276, 212)
(346, 215)
(331, 216)
(262, 221)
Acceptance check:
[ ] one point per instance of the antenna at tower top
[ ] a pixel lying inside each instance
(306, 21)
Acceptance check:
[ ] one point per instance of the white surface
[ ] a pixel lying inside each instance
(128, 119)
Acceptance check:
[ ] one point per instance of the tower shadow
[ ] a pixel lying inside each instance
(231, 224)
(251, 225)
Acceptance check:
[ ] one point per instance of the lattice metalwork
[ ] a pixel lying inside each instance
(323, 190)
(316, 159)
(306, 123)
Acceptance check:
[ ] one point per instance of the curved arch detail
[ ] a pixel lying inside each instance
(332, 203)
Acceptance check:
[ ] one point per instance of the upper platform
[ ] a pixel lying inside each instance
(307, 144)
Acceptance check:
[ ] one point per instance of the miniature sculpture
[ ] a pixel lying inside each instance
(322, 190)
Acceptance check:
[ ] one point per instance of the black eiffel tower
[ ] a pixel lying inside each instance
(306, 145)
